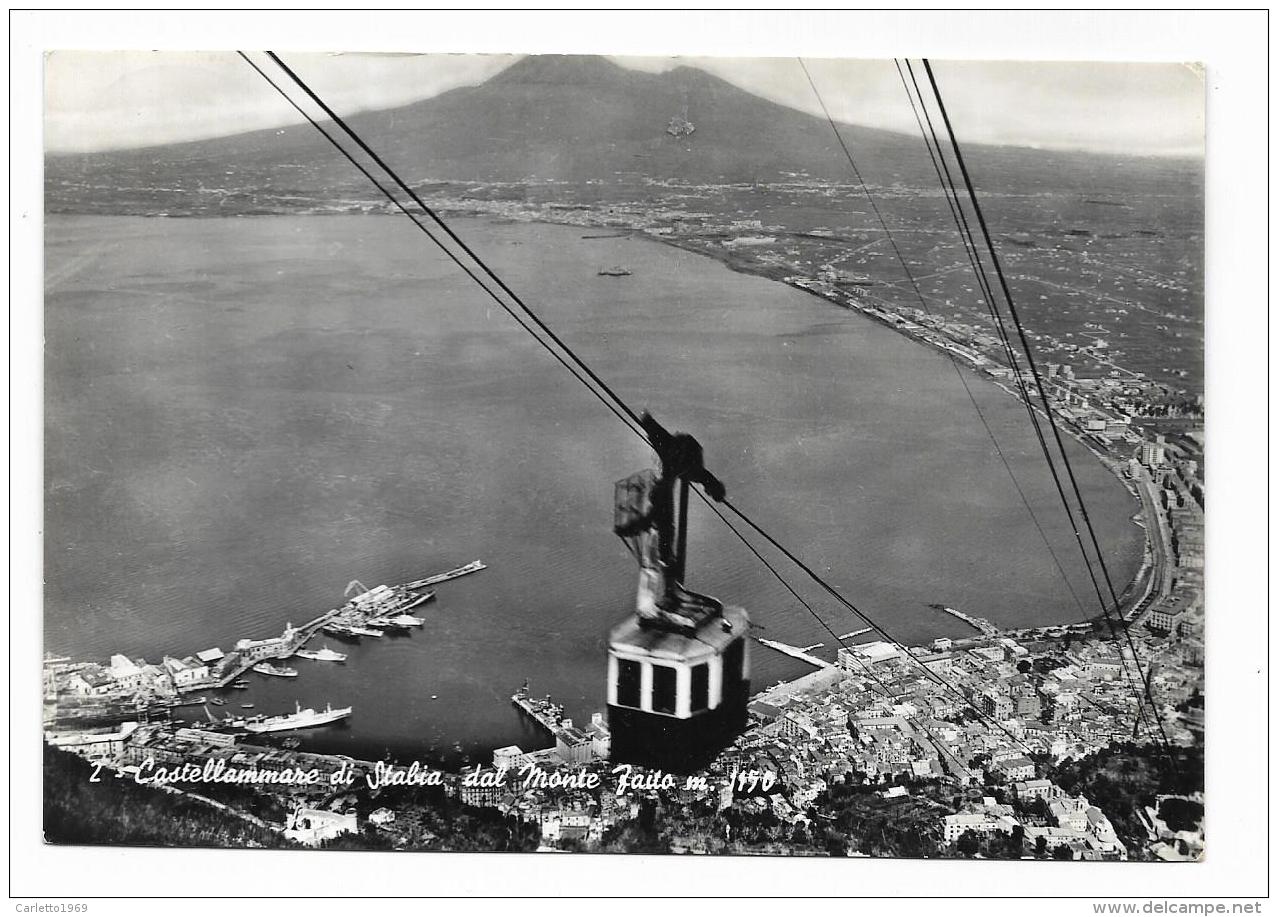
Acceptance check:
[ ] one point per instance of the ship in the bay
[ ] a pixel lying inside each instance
(300, 719)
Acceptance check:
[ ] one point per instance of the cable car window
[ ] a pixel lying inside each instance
(700, 687)
(627, 683)
(733, 663)
(664, 678)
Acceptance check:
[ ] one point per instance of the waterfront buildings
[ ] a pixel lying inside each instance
(250, 651)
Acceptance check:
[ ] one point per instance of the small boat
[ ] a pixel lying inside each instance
(280, 671)
(240, 685)
(615, 271)
(324, 655)
(218, 702)
(408, 621)
(247, 706)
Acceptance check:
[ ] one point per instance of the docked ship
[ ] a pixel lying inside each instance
(543, 711)
(406, 620)
(301, 719)
(324, 655)
(280, 671)
(473, 567)
(387, 623)
(420, 600)
(350, 631)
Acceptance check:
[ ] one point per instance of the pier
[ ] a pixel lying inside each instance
(358, 611)
(473, 567)
(542, 712)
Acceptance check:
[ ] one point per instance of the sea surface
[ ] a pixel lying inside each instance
(245, 414)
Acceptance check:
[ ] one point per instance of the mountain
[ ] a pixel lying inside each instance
(568, 119)
(576, 119)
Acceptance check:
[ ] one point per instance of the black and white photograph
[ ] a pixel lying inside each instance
(637, 456)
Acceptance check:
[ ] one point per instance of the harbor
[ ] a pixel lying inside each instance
(133, 690)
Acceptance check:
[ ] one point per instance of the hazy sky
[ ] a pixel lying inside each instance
(98, 100)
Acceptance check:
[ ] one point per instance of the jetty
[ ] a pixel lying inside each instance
(473, 567)
(855, 633)
(796, 652)
(984, 626)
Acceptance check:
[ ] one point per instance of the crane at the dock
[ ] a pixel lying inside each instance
(354, 587)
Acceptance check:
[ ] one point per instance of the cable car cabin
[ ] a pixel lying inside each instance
(676, 700)
(679, 668)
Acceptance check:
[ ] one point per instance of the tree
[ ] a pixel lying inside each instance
(1016, 843)
(1181, 814)
(1063, 853)
(912, 843)
(968, 843)
(1040, 846)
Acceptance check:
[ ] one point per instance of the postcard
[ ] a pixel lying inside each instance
(525, 453)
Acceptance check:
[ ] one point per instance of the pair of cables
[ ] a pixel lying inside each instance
(429, 222)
